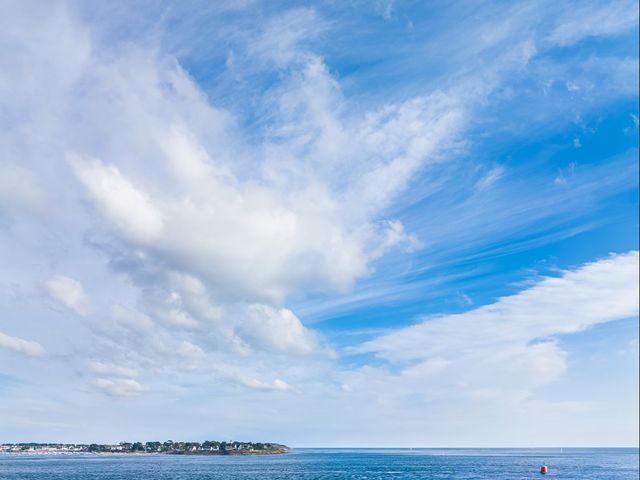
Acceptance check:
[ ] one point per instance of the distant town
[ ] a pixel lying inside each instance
(169, 447)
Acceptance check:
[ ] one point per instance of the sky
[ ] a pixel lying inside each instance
(333, 223)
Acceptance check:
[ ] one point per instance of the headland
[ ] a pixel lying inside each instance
(209, 447)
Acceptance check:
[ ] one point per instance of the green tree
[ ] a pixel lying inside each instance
(152, 446)
(137, 447)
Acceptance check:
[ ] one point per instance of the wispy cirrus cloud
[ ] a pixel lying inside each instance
(209, 244)
(596, 19)
(491, 360)
(595, 293)
(221, 188)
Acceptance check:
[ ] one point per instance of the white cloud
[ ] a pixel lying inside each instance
(396, 235)
(216, 231)
(109, 369)
(276, 385)
(597, 292)
(119, 201)
(385, 8)
(283, 39)
(572, 86)
(466, 298)
(119, 387)
(210, 232)
(27, 347)
(490, 178)
(207, 244)
(510, 344)
(594, 20)
(215, 250)
(278, 329)
(70, 293)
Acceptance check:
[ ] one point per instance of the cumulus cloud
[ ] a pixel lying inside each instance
(244, 240)
(279, 329)
(216, 249)
(70, 293)
(119, 201)
(26, 347)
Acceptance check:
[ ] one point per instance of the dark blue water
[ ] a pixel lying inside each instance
(325, 464)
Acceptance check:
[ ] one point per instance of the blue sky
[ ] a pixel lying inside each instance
(383, 223)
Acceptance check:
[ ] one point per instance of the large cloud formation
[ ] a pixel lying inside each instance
(214, 235)
(185, 224)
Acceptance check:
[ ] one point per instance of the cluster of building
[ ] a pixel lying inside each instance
(42, 448)
(168, 447)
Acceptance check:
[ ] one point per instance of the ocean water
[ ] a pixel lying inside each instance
(334, 464)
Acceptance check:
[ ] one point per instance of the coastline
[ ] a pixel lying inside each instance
(143, 454)
(207, 448)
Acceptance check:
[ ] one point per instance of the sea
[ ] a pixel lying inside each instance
(334, 464)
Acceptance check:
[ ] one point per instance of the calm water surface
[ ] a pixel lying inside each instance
(326, 464)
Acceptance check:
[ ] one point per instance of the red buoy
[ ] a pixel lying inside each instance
(544, 470)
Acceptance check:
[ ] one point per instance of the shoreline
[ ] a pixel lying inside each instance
(169, 447)
(143, 454)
